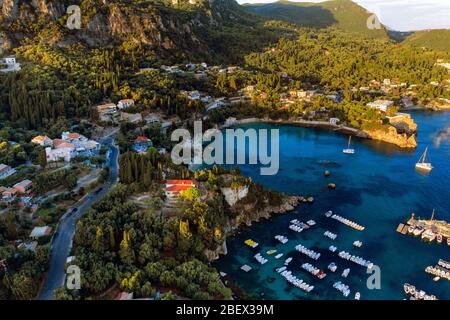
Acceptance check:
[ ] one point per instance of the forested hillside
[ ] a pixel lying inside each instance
(342, 14)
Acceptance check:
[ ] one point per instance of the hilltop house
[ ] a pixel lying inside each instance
(175, 187)
(6, 171)
(125, 104)
(381, 105)
(42, 141)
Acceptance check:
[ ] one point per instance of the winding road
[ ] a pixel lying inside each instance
(62, 240)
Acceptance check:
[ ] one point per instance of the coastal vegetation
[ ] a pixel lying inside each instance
(122, 246)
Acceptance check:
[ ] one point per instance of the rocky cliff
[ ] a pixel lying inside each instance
(389, 134)
(178, 28)
(247, 214)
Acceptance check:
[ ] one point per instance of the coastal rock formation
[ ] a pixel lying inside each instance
(242, 217)
(212, 255)
(438, 105)
(390, 135)
(234, 195)
(403, 123)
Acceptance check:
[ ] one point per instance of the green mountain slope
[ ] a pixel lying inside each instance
(433, 39)
(216, 30)
(343, 14)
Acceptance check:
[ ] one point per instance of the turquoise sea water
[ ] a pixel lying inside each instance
(377, 187)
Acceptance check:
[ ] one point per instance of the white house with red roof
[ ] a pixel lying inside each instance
(175, 187)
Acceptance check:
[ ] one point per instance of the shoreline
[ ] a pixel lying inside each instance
(301, 123)
(395, 139)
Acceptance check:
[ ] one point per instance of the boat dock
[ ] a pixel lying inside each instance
(430, 230)
(402, 228)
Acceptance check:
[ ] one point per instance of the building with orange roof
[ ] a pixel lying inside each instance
(175, 187)
(42, 141)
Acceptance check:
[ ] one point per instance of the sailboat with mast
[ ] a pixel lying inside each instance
(349, 150)
(423, 164)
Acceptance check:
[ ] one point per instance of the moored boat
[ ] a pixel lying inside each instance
(423, 165)
(349, 150)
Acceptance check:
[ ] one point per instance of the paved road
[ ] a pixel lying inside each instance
(62, 241)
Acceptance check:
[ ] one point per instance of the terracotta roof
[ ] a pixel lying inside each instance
(59, 143)
(39, 139)
(141, 139)
(178, 188)
(180, 182)
(23, 183)
(73, 135)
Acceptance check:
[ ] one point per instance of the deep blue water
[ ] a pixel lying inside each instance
(377, 187)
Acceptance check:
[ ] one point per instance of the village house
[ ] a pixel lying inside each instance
(141, 144)
(175, 187)
(42, 141)
(24, 187)
(374, 84)
(9, 195)
(71, 145)
(152, 119)
(39, 232)
(64, 152)
(130, 117)
(407, 102)
(81, 143)
(6, 171)
(107, 112)
(381, 105)
(216, 104)
(125, 104)
(9, 64)
(194, 95)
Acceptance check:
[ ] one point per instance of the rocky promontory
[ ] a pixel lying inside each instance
(389, 134)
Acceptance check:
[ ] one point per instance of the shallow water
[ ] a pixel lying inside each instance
(377, 187)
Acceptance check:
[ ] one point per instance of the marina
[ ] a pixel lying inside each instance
(372, 195)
